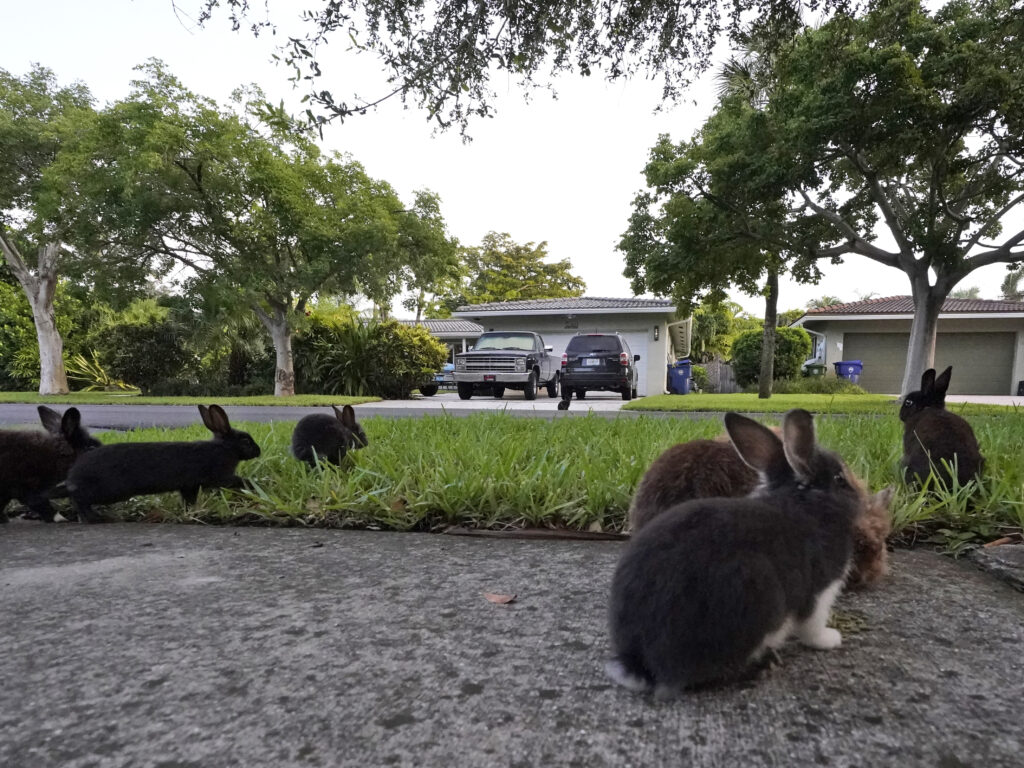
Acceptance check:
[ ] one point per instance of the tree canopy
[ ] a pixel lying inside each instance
(242, 199)
(500, 269)
(443, 55)
(903, 121)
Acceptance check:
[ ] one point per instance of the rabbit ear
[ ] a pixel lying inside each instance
(50, 418)
(219, 423)
(942, 382)
(70, 422)
(928, 380)
(798, 441)
(757, 445)
(348, 417)
(883, 499)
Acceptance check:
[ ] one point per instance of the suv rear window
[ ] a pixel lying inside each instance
(590, 344)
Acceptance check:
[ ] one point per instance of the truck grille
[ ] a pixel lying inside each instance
(499, 364)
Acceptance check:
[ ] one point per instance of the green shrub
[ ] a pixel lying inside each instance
(347, 357)
(700, 377)
(792, 348)
(144, 346)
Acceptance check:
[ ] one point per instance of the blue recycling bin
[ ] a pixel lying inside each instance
(679, 377)
(849, 370)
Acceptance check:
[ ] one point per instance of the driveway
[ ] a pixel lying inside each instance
(160, 646)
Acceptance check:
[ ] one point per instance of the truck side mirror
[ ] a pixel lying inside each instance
(549, 348)
(636, 358)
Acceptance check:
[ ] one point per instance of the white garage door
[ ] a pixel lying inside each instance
(982, 362)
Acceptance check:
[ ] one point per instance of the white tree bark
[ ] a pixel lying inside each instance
(928, 301)
(40, 289)
(281, 336)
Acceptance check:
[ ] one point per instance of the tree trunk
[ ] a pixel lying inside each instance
(928, 301)
(40, 290)
(281, 337)
(771, 314)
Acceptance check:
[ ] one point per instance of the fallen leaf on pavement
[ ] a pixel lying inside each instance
(499, 599)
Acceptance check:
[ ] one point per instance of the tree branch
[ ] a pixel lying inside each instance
(992, 220)
(877, 194)
(856, 244)
(15, 261)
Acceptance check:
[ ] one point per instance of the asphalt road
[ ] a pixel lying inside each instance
(163, 646)
(129, 416)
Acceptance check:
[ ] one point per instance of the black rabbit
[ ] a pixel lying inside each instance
(932, 435)
(703, 469)
(327, 438)
(118, 472)
(32, 463)
(706, 588)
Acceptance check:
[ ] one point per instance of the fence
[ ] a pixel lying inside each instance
(720, 377)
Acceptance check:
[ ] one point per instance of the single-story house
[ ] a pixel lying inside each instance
(458, 335)
(982, 339)
(649, 326)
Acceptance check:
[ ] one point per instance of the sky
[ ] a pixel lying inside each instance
(561, 171)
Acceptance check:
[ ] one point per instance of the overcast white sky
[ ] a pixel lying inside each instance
(560, 171)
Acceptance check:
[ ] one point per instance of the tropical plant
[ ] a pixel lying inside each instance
(91, 376)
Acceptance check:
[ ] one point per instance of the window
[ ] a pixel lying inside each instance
(594, 343)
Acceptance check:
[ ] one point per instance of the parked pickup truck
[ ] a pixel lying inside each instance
(503, 360)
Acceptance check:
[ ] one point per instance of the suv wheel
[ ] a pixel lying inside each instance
(498, 392)
(428, 390)
(530, 390)
(566, 392)
(581, 393)
(465, 390)
(627, 393)
(553, 386)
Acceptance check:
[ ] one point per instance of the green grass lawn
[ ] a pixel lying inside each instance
(107, 398)
(496, 471)
(818, 404)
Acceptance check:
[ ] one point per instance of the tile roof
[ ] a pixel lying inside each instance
(904, 305)
(449, 326)
(580, 302)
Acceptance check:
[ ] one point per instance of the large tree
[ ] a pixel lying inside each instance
(242, 199)
(902, 121)
(442, 55)
(37, 118)
(500, 269)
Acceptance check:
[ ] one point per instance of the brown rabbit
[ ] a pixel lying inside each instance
(703, 469)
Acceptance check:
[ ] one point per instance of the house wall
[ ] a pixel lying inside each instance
(637, 329)
(835, 331)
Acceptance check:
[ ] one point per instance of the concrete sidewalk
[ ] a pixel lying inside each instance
(190, 647)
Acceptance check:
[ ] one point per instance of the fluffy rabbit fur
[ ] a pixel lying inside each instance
(33, 462)
(931, 434)
(327, 438)
(703, 469)
(704, 590)
(118, 472)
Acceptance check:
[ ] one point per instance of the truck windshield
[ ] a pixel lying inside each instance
(522, 342)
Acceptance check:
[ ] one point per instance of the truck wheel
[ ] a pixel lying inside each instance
(530, 390)
(498, 392)
(553, 386)
(465, 390)
(428, 390)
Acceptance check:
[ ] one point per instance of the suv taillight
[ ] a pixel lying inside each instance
(565, 360)
(623, 358)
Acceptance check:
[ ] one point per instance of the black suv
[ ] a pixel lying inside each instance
(598, 361)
